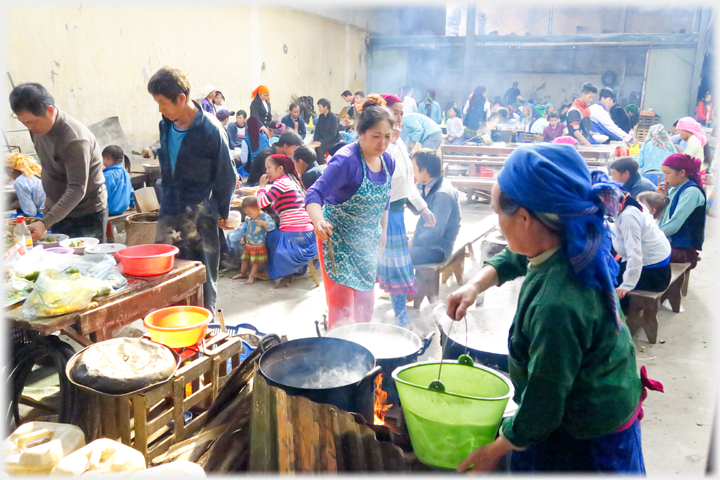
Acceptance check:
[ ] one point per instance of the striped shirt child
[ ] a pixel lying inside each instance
(289, 202)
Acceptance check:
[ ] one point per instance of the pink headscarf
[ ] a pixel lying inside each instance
(390, 99)
(565, 139)
(690, 125)
(680, 161)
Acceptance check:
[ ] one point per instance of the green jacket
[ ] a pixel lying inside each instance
(570, 366)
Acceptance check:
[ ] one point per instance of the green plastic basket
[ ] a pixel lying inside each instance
(446, 427)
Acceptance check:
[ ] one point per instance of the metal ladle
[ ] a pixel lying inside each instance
(438, 385)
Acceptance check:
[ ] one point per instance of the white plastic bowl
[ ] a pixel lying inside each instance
(87, 242)
(105, 248)
(234, 219)
(56, 239)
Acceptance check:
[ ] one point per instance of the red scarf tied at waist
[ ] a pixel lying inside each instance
(647, 384)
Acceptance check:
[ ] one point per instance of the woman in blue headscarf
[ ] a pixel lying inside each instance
(571, 357)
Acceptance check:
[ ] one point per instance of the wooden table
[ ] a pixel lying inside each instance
(183, 284)
(144, 178)
(595, 156)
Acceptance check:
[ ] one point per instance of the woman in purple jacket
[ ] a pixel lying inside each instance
(349, 205)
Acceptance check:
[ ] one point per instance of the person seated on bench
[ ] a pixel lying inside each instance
(434, 244)
(654, 203)
(684, 220)
(417, 128)
(117, 180)
(25, 175)
(656, 148)
(644, 250)
(601, 120)
(624, 170)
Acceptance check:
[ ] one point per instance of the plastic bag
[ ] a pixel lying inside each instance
(16, 289)
(233, 239)
(712, 205)
(36, 261)
(103, 270)
(57, 294)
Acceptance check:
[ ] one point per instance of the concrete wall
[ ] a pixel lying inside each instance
(669, 95)
(545, 74)
(566, 18)
(96, 61)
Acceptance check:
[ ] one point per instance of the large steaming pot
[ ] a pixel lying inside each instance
(324, 370)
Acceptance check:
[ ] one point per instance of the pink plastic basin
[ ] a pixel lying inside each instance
(147, 260)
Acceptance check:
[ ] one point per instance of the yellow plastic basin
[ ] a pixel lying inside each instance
(178, 327)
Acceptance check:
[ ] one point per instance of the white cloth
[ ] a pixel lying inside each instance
(539, 126)
(402, 184)
(409, 105)
(599, 115)
(640, 242)
(455, 127)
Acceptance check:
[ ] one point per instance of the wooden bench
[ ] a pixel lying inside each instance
(429, 277)
(644, 306)
(596, 156)
(474, 186)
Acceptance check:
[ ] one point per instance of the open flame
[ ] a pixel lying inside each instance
(381, 405)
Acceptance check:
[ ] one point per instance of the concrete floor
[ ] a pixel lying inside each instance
(677, 424)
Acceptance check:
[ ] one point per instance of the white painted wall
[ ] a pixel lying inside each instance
(96, 60)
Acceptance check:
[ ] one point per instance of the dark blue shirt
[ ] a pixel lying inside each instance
(638, 184)
(290, 123)
(204, 176)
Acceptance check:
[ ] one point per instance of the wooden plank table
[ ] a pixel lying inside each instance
(138, 179)
(183, 284)
(594, 155)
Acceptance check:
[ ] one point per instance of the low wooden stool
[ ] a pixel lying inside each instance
(313, 271)
(428, 277)
(644, 306)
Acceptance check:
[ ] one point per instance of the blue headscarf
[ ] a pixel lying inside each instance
(553, 179)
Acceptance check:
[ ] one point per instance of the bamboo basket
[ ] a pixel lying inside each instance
(140, 228)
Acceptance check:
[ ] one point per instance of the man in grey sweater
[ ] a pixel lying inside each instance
(71, 164)
(434, 244)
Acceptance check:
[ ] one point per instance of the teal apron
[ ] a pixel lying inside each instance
(357, 232)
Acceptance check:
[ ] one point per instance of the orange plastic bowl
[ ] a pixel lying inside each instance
(178, 327)
(147, 260)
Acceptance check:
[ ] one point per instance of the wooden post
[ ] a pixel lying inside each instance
(469, 45)
(699, 58)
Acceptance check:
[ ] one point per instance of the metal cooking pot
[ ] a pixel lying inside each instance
(386, 342)
(487, 336)
(324, 370)
(392, 346)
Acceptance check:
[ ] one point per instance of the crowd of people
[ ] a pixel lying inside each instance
(204, 157)
(334, 188)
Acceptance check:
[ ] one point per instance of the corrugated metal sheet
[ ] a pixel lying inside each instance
(262, 429)
(292, 434)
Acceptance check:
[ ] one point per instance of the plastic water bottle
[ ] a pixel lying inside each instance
(21, 234)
